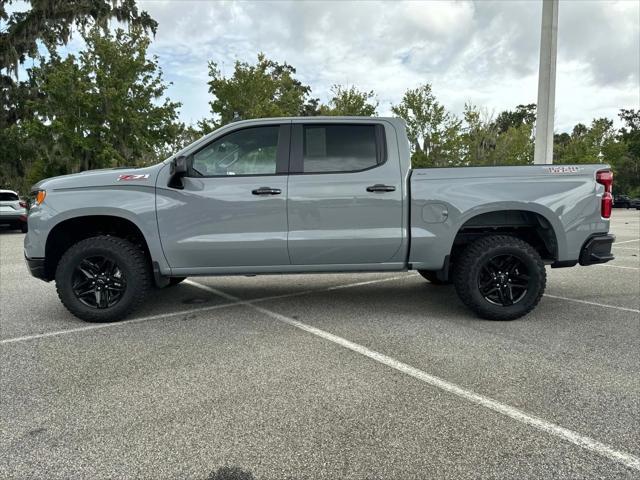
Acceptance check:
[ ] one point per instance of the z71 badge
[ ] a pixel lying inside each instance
(563, 169)
(129, 176)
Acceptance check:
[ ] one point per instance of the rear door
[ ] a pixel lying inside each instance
(344, 196)
(231, 211)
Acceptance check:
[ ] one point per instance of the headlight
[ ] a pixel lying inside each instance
(37, 197)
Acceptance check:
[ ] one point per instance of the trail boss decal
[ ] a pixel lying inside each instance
(567, 169)
(129, 176)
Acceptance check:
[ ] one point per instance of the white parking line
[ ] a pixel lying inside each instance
(617, 266)
(627, 241)
(113, 324)
(180, 312)
(575, 438)
(261, 299)
(628, 248)
(604, 305)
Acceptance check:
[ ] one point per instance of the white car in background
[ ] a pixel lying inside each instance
(13, 211)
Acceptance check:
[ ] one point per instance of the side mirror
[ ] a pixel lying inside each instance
(178, 169)
(179, 166)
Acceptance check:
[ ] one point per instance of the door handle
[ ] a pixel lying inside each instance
(266, 191)
(379, 187)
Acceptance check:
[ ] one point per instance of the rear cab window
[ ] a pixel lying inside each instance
(337, 148)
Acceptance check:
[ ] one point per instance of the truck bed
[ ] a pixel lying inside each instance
(443, 200)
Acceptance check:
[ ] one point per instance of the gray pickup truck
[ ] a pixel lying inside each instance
(302, 195)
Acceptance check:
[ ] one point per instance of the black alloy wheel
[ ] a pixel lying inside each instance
(504, 280)
(103, 278)
(98, 282)
(499, 277)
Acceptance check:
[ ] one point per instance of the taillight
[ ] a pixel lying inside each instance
(23, 204)
(605, 177)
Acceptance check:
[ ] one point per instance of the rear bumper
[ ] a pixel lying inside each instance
(36, 267)
(597, 250)
(12, 218)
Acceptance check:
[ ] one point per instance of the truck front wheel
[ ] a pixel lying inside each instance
(500, 277)
(103, 278)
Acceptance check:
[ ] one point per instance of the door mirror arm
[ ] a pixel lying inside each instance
(178, 169)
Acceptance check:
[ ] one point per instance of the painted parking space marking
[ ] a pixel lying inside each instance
(587, 302)
(573, 437)
(628, 248)
(627, 241)
(582, 441)
(618, 266)
(160, 316)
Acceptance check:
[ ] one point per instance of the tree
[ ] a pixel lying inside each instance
(266, 89)
(522, 115)
(101, 109)
(350, 101)
(627, 164)
(586, 144)
(434, 133)
(49, 23)
(479, 136)
(52, 21)
(514, 141)
(515, 146)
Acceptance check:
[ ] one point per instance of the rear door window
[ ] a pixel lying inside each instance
(339, 148)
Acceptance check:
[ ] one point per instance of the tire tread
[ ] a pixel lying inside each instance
(137, 263)
(471, 255)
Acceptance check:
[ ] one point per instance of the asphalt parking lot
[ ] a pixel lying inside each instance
(379, 376)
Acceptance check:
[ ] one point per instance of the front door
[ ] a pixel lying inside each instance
(232, 209)
(344, 196)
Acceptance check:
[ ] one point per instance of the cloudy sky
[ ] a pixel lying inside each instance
(483, 52)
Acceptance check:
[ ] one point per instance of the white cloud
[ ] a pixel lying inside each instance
(483, 52)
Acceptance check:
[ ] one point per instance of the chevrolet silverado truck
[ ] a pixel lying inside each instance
(313, 195)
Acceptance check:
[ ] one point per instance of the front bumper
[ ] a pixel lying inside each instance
(597, 250)
(36, 267)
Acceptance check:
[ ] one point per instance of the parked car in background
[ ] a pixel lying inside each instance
(624, 201)
(13, 211)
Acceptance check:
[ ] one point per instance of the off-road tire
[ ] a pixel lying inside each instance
(473, 258)
(129, 258)
(432, 276)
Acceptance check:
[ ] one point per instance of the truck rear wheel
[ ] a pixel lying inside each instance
(432, 276)
(103, 278)
(500, 277)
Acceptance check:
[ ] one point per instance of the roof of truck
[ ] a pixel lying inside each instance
(326, 118)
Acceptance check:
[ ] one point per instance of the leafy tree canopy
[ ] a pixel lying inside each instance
(103, 108)
(433, 132)
(522, 115)
(350, 101)
(51, 22)
(266, 89)
(626, 160)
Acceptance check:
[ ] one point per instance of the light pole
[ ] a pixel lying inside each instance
(545, 111)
